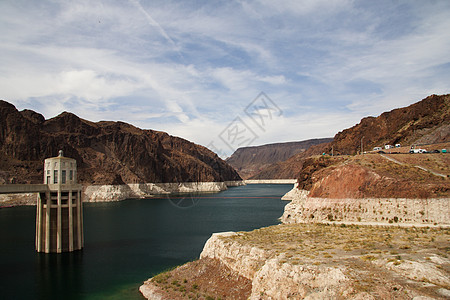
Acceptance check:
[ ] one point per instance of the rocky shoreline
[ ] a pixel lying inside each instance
(107, 193)
(316, 261)
(327, 258)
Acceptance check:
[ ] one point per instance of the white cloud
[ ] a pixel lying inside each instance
(190, 68)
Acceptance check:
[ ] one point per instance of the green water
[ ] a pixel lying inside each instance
(126, 242)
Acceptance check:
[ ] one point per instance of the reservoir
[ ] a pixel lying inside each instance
(127, 242)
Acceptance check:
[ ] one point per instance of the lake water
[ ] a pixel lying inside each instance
(126, 242)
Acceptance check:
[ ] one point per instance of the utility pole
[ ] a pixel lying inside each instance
(362, 149)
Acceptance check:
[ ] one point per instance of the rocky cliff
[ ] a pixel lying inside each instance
(424, 122)
(249, 161)
(106, 152)
(313, 261)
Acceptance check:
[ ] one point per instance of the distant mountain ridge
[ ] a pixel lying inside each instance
(106, 152)
(249, 161)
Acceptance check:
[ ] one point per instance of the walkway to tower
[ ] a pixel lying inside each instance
(23, 188)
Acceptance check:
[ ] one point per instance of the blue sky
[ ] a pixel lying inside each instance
(196, 69)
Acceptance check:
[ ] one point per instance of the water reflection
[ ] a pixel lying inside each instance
(59, 274)
(126, 242)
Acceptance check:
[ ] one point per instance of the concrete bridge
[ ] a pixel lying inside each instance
(23, 188)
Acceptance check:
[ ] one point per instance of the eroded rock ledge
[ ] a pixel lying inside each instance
(315, 255)
(319, 261)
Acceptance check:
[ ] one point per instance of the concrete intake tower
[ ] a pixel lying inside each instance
(59, 213)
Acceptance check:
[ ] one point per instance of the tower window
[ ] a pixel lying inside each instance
(63, 175)
(55, 176)
(71, 175)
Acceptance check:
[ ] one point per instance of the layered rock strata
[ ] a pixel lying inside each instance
(304, 209)
(271, 277)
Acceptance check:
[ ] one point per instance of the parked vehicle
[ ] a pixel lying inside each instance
(388, 147)
(397, 145)
(418, 151)
(435, 151)
(444, 150)
(377, 149)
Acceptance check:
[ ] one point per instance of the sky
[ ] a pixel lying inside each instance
(224, 74)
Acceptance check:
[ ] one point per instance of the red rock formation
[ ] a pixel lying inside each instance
(354, 181)
(425, 122)
(421, 120)
(106, 152)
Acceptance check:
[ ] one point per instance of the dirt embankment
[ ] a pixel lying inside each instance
(372, 176)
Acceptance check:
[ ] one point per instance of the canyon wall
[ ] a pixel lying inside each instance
(107, 153)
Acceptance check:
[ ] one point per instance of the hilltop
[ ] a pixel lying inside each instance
(106, 152)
